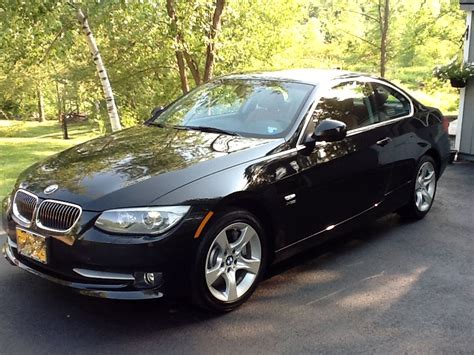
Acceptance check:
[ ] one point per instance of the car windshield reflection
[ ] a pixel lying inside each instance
(248, 107)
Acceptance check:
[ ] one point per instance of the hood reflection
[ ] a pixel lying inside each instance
(128, 157)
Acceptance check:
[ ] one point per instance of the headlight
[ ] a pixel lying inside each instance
(143, 220)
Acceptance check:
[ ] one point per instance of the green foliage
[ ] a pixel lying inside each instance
(43, 50)
(456, 69)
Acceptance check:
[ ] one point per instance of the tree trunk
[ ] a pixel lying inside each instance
(178, 43)
(58, 102)
(41, 117)
(183, 57)
(384, 18)
(182, 72)
(193, 67)
(64, 126)
(211, 46)
(108, 93)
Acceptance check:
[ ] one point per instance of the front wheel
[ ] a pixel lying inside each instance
(423, 190)
(230, 262)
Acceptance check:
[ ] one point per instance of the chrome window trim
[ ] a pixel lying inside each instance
(65, 231)
(372, 126)
(362, 79)
(17, 217)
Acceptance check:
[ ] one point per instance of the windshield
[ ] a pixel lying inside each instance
(249, 107)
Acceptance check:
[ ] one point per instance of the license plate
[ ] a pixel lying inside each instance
(32, 245)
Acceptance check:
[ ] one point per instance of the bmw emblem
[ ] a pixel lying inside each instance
(50, 189)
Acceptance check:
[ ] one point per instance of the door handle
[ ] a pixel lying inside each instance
(384, 142)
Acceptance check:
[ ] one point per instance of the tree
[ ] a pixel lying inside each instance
(102, 72)
(41, 115)
(183, 57)
(178, 44)
(211, 38)
(378, 15)
(383, 11)
(140, 42)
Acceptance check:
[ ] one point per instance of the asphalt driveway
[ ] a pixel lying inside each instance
(391, 287)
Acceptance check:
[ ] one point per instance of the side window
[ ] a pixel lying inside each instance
(348, 102)
(389, 103)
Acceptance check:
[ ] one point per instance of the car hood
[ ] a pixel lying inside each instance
(136, 166)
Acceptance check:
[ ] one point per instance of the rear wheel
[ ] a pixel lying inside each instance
(230, 262)
(423, 190)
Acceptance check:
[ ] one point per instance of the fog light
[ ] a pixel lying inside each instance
(148, 279)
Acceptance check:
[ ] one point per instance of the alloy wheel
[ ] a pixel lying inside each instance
(425, 186)
(233, 262)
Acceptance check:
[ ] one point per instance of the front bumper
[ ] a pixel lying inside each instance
(109, 266)
(112, 291)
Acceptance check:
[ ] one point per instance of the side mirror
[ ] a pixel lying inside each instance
(157, 111)
(330, 131)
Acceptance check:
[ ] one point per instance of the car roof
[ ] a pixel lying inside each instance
(308, 76)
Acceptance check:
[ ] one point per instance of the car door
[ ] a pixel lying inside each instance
(340, 180)
(394, 109)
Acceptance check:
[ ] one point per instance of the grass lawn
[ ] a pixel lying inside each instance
(446, 101)
(24, 143)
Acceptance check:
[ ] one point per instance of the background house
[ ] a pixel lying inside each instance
(465, 128)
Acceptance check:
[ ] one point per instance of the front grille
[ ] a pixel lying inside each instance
(24, 205)
(57, 216)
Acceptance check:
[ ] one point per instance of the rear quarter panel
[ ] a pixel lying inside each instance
(430, 131)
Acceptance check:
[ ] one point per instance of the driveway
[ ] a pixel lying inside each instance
(391, 287)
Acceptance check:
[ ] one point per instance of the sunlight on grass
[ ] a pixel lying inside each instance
(24, 143)
(447, 102)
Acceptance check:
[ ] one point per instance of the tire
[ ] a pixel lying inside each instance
(452, 157)
(422, 194)
(227, 273)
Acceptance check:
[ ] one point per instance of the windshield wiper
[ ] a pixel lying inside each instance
(195, 128)
(157, 124)
(208, 129)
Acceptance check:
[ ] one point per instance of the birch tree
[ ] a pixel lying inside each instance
(107, 88)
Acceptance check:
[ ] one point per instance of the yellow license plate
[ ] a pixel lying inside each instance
(32, 245)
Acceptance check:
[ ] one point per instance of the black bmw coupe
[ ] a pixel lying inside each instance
(238, 174)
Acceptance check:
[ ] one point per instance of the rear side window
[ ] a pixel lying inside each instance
(389, 103)
(349, 102)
